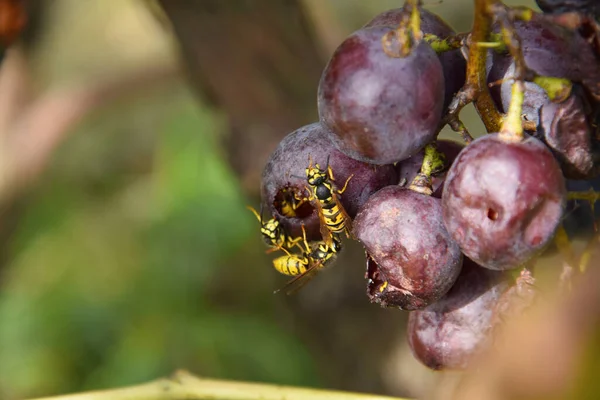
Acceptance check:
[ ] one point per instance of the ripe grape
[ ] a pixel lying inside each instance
(448, 333)
(503, 200)
(379, 108)
(284, 175)
(408, 248)
(453, 62)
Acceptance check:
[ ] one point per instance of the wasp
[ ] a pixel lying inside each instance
(289, 203)
(306, 265)
(273, 233)
(332, 214)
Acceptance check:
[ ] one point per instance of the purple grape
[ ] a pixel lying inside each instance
(380, 109)
(453, 62)
(450, 332)
(412, 261)
(550, 50)
(285, 174)
(503, 201)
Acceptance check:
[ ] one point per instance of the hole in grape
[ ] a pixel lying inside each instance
(292, 203)
(492, 214)
(374, 277)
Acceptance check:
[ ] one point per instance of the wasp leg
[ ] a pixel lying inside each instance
(330, 173)
(312, 196)
(304, 239)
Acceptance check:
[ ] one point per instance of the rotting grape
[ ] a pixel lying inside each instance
(567, 130)
(284, 178)
(503, 201)
(379, 108)
(453, 62)
(412, 260)
(450, 332)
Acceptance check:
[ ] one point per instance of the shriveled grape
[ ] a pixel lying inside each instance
(414, 259)
(567, 129)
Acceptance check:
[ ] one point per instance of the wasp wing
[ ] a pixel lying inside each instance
(325, 232)
(298, 282)
(345, 216)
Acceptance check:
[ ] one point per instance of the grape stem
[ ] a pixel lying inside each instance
(449, 43)
(475, 89)
(433, 162)
(591, 196)
(398, 43)
(512, 127)
(183, 385)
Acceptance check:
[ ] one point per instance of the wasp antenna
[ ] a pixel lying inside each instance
(327, 166)
(258, 217)
(296, 176)
(261, 212)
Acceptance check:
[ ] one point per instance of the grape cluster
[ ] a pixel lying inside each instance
(442, 223)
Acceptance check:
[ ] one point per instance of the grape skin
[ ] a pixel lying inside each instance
(380, 109)
(503, 201)
(450, 332)
(402, 232)
(453, 62)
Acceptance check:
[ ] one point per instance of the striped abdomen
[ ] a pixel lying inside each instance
(291, 265)
(333, 217)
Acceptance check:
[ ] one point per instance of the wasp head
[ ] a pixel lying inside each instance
(271, 231)
(315, 175)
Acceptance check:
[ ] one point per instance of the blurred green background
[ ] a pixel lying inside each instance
(134, 255)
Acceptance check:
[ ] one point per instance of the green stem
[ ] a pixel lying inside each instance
(590, 196)
(512, 128)
(183, 385)
(433, 162)
(449, 43)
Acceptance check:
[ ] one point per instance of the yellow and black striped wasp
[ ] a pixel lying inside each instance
(289, 204)
(332, 214)
(273, 233)
(306, 265)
